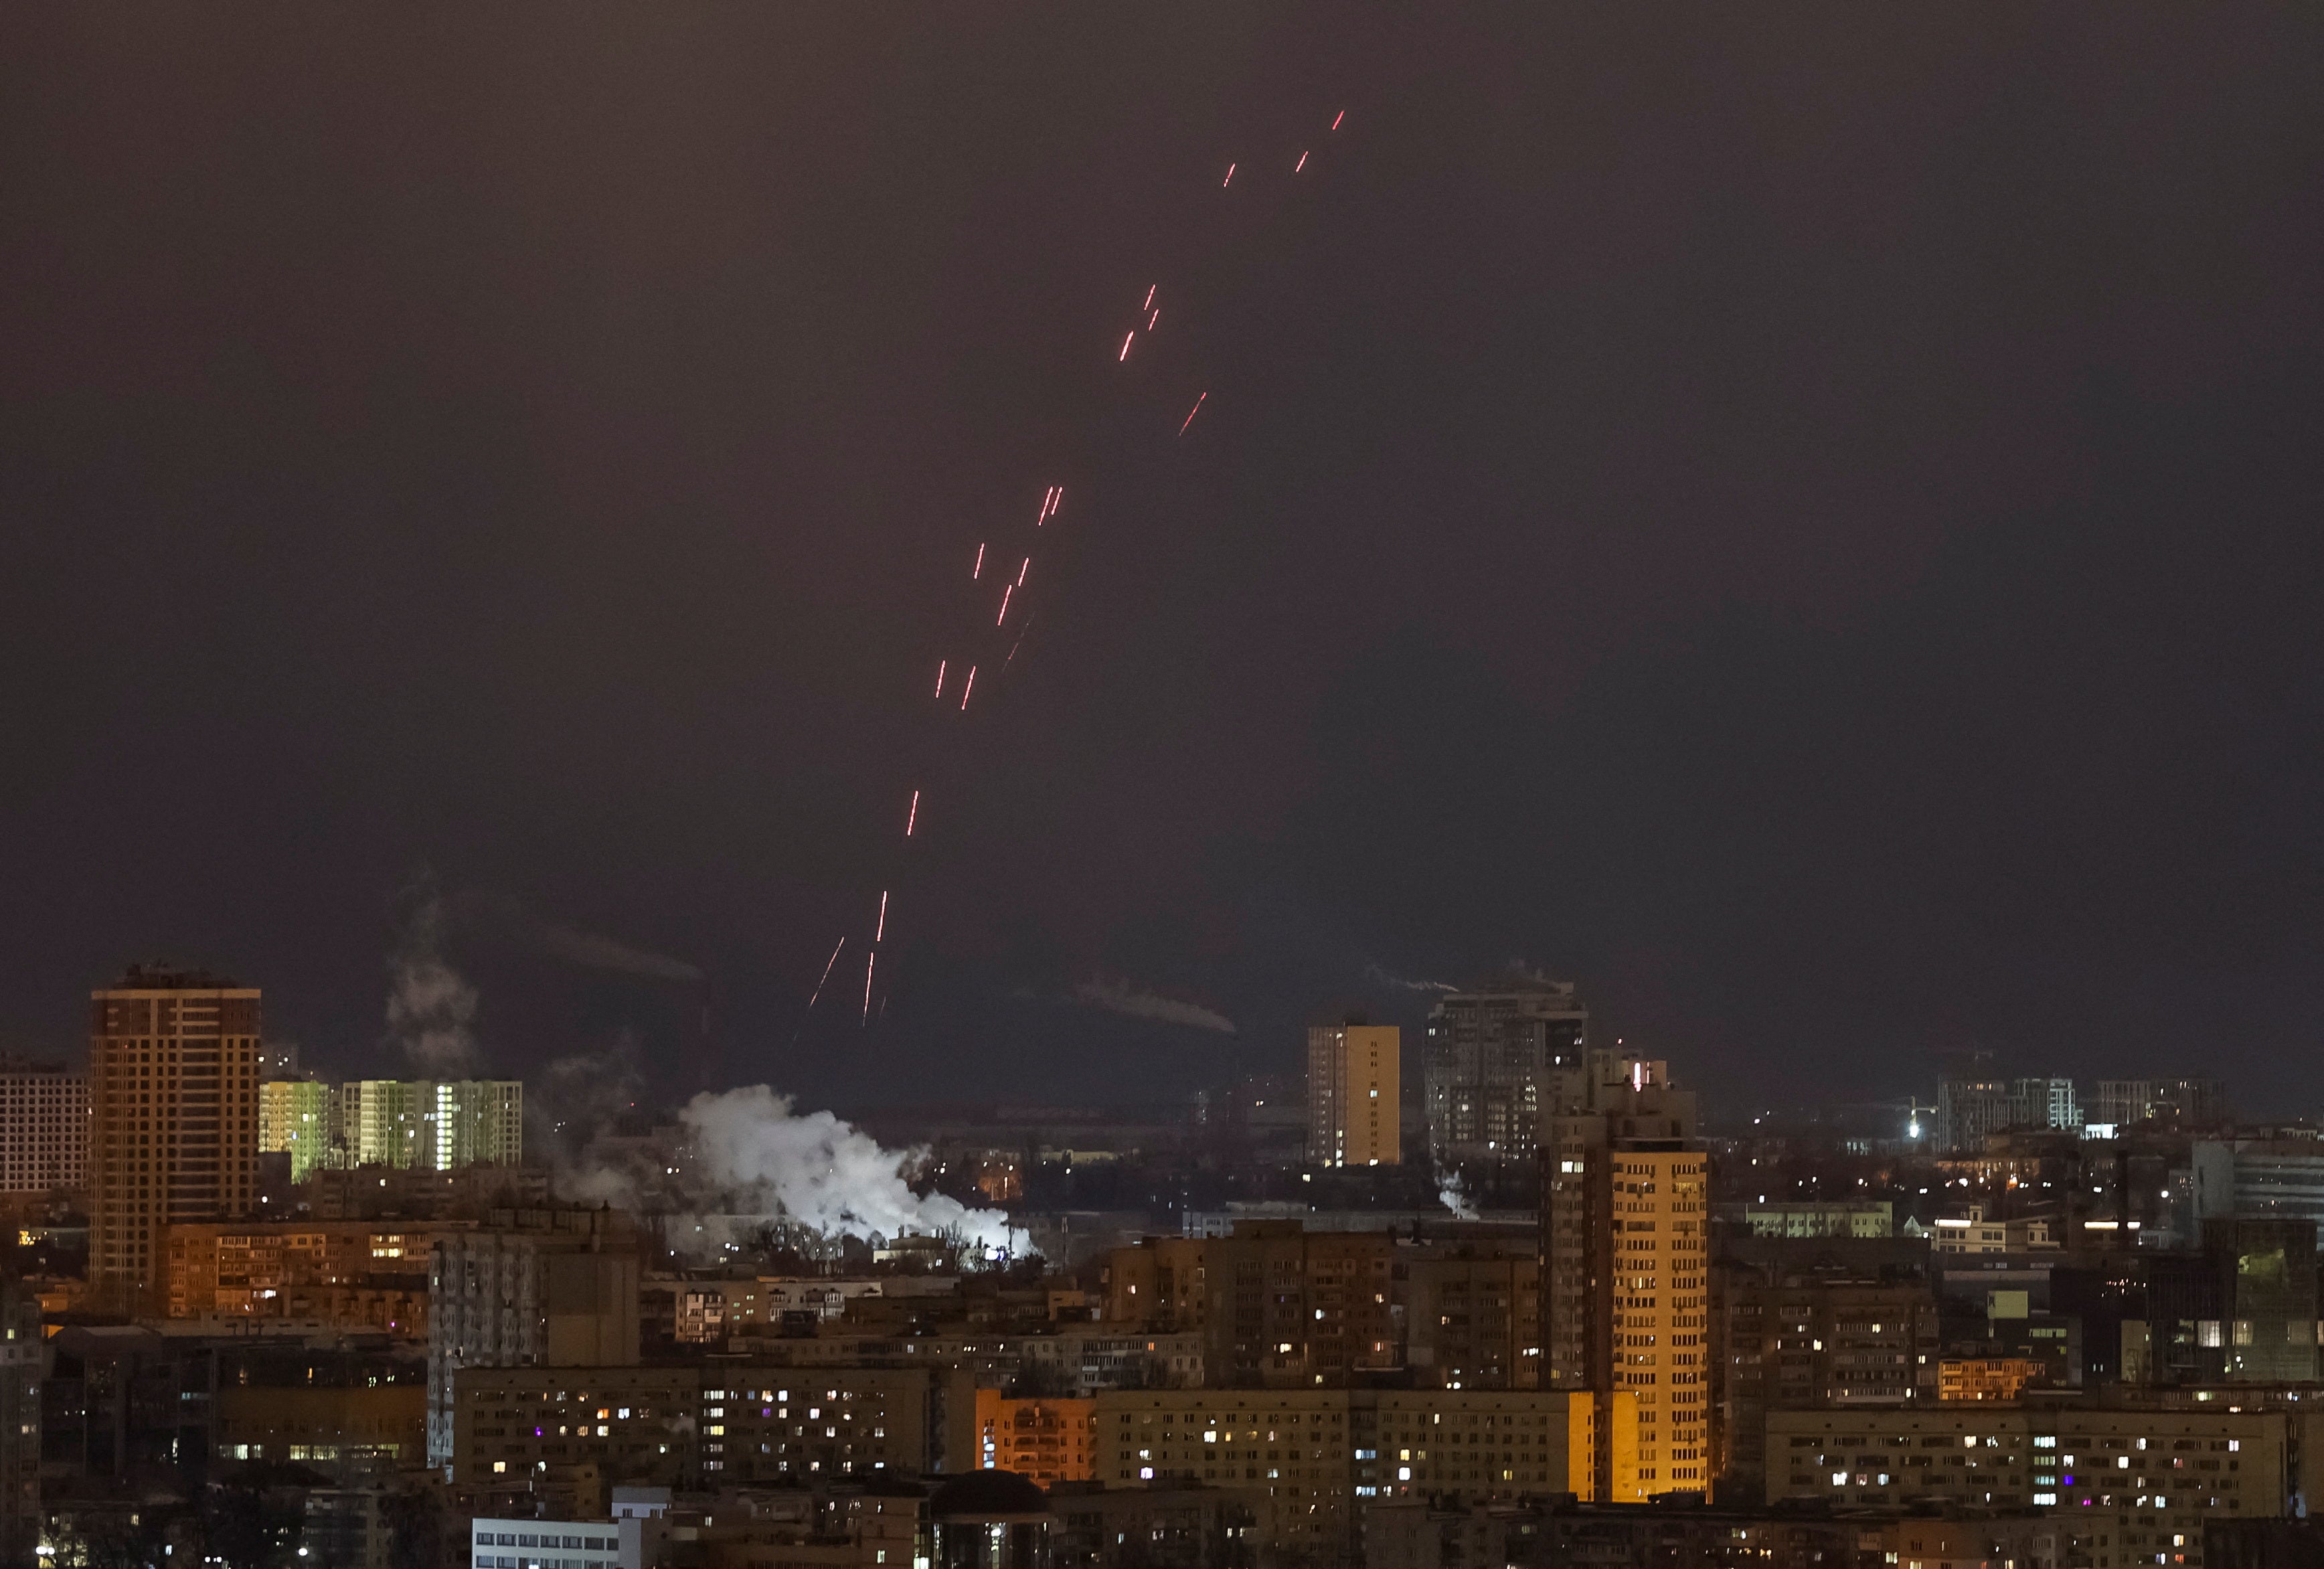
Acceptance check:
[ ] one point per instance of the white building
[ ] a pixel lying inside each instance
(558, 1544)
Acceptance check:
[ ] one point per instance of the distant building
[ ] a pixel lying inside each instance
(44, 1128)
(353, 1276)
(294, 1119)
(2002, 1378)
(1796, 1338)
(402, 1124)
(20, 1422)
(1351, 1095)
(173, 1128)
(1854, 1218)
(428, 1124)
(1626, 1223)
(2040, 1104)
(2278, 1178)
(606, 1543)
(559, 1292)
(1354, 1449)
(1473, 1317)
(2191, 1103)
(1491, 1062)
(1972, 1103)
(1049, 1440)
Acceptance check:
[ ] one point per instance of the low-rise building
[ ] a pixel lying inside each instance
(721, 1423)
(2126, 1483)
(1856, 1218)
(513, 1544)
(1309, 1460)
(356, 1274)
(1424, 1535)
(358, 1426)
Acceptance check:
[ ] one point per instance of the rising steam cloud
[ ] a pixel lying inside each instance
(431, 1010)
(751, 1161)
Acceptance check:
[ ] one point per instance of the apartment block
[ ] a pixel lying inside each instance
(1491, 1064)
(2131, 1486)
(44, 1128)
(724, 1423)
(1472, 1318)
(427, 1124)
(554, 1289)
(1353, 1088)
(1290, 1307)
(173, 1123)
(1791, 1340)
(1049, 1440)
(294, 1119)
(354, 1275)
(1624, 1303)
(1312, 1460)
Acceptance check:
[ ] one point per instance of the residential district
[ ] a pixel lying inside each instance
(1504, 1295)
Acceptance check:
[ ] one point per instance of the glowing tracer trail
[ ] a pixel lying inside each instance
(1337, 118)
(1149, 325)
(869, 960)
(1182, 429)
(1022, 568)
(817, 992)
(1125, 348)
(913, 816)
(881, 934)
(977, 571)
(940, 670)
(1004, 605)
(1301, 164)
(1149, 297)
(968, 687)
(1229, 178)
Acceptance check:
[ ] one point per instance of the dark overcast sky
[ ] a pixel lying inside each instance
(1804, 520)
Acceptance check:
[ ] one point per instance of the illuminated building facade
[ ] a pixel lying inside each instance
(1353, 1085)
(173, 1058)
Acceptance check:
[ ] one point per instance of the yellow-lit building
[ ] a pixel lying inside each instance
(1049, 1441)
(173, 1118)
(1985, 1378)
(1353, 1080)
(358, 1274)
(294, 1118)
(1626, 1305)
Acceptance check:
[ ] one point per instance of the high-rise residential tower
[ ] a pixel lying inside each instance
(1490, 1057)
(173, 1118)
(1626, 1218)
(44, 1128)
(1351, 1094)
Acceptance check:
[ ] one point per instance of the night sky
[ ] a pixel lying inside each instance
(1803, 521)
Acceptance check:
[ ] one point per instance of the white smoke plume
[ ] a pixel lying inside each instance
(1116, 997)
(1453, 1195)
(747, 1160)
(1380, 976)
(431, 1010)
(501, 914)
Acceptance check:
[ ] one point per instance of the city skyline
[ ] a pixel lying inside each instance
(1842, 597)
